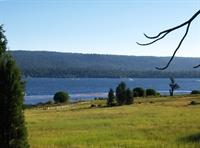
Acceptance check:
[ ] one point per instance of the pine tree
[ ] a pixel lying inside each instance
(111, 98)
(3, 40)
(13, 133)
(121, 93)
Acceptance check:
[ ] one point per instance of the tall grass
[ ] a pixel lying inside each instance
(165, 122)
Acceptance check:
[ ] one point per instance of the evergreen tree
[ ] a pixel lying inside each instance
(111, 98)
(3, 40)
(121, 93)
(129, 96)
(13, 133)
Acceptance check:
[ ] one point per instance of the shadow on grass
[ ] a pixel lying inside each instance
(194, 138)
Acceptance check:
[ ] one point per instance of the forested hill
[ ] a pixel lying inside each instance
(55, 64)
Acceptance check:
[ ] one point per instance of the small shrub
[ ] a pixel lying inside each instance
(61, 97)
(92, 105)
(150, 92)
(195, 92)
(102, 98)
(193, 103)
(158, 94)
(138, 92)
(49, 102)
(113, 104)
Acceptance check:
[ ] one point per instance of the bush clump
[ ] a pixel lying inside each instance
(150, 92)
(61, 97)
(138, 92)
(195, 92)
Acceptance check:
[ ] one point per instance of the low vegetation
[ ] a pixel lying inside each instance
(150, 122)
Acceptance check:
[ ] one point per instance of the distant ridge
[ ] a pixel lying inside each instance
(56, 64)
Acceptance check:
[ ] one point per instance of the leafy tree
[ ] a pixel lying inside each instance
(173, 86)
(61, 97)
(13, 133)
(121, 93)
(129, 96)
(111, 98)
(138, 92)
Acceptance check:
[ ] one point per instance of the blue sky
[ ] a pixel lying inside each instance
(99, 26)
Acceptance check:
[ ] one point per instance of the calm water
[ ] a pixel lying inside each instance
(43, 89)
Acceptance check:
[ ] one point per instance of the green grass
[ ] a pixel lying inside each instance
(165, 122)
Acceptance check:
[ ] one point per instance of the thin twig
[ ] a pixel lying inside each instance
(145, 44)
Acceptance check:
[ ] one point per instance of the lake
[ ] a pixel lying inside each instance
(43, 89)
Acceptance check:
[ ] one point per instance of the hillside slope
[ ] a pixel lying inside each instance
(55, 64)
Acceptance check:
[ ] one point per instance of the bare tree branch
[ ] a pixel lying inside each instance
(197, 66)
(162, 34)
(172, 57)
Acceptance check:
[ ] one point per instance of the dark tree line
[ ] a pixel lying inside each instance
(99, 73)
(125, 96)
(50, 64)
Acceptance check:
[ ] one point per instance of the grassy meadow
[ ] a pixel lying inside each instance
(168, 122)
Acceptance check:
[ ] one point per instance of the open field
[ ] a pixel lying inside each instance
(149, 123)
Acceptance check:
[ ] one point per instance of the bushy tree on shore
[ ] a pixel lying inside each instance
(151, 92)
(194, 92)
(13, 133)
(61, 97)
(138, 92)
